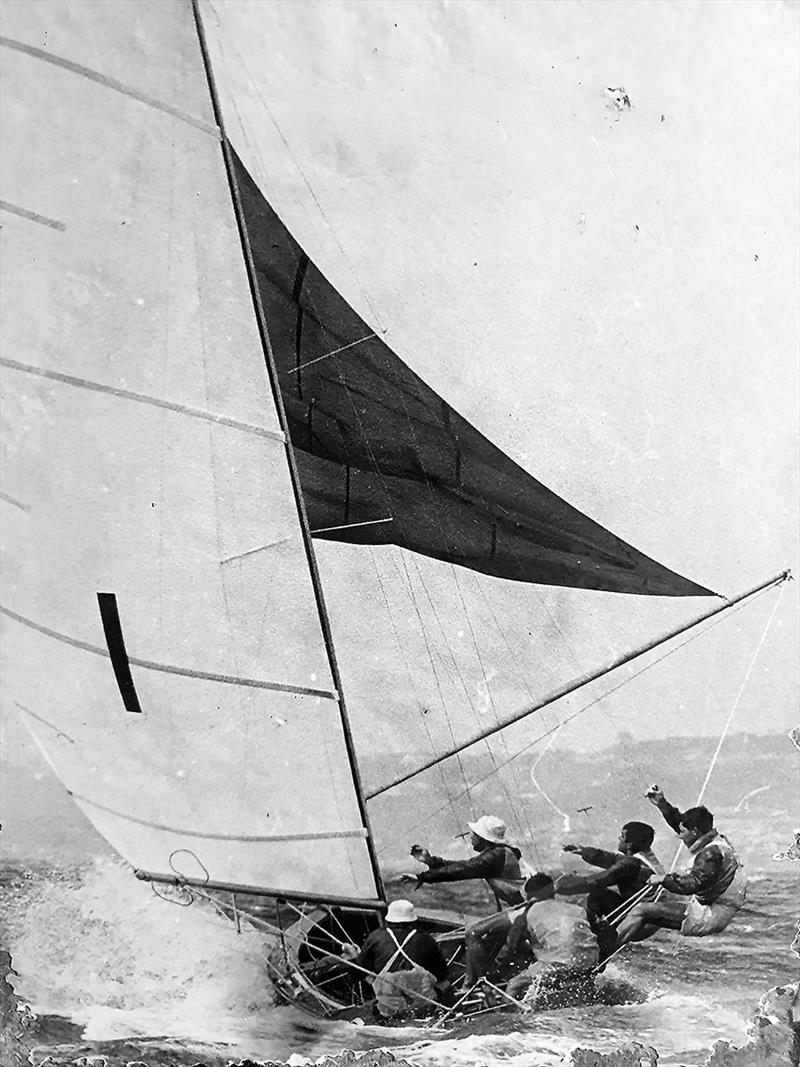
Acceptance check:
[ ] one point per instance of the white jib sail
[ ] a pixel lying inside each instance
(143, 458)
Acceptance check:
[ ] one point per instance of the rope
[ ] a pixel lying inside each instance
(402, 647)
(585, 707)
(487, 682)
(714, 758)
(423, 631)
(618, 914)
(739, 694)
(728, 722)
(295, 160)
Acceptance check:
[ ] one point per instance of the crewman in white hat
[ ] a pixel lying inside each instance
(409, 968)
(498, 862)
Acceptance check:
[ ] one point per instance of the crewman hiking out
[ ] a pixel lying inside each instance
(716, 883)
(564, 946)
(621, 875)
(499, 863)
(409, 968)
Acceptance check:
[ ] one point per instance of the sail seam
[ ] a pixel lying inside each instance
(32, 216)
(143, 398)
(322, 835)
(111, 83)
(165, 668)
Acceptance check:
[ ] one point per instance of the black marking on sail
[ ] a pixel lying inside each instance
(116, 650)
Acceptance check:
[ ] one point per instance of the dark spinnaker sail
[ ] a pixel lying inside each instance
(384, 460)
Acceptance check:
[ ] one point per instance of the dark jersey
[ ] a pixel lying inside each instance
(420, 948)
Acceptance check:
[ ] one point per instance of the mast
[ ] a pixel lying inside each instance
(269, 360)
(578, 683)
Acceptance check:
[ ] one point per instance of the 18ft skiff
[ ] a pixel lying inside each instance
(187, 402)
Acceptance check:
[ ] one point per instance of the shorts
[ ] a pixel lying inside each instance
(703, 919)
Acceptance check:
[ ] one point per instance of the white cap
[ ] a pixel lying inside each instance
(490, 828)
(401, 911)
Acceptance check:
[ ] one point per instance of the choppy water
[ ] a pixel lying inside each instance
(99, 948)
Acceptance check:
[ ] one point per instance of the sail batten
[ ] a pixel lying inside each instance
(31, 216)
(322, 835)
(169, 668)
(47, 56)
(141, 398)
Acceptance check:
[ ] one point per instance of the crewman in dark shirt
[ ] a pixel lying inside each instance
(405, 961)
(716, 884)
(495, 860)
(621, 874)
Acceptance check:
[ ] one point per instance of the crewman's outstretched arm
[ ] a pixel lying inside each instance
(672, 815)
(487, 864)
(598, 857)
(622, 867)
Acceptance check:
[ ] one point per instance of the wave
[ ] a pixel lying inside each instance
(101, 949)
(106, 952)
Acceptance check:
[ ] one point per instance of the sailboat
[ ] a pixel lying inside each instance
(188, 404)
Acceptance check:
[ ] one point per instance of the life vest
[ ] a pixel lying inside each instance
(650, 860)
(507, 886)
(397, 992)
(730, 886)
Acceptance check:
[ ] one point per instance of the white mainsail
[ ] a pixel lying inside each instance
(144, 459)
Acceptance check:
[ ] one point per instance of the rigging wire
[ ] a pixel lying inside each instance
(625, 681)
(531, 835)
(467, 789)
(429, 487)
(411, 427)
(660, 891)
(387, 500)
(402, 647)
(357, 414)
(731, 714)
(526, 684)
(373, 309)
(331, 355)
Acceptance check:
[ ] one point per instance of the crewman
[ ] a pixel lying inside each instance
(622, 874)
(716, 883)
(564, 945)
(410, 970)
(498, 862)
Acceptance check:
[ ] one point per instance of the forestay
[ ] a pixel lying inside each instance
(144, 459)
